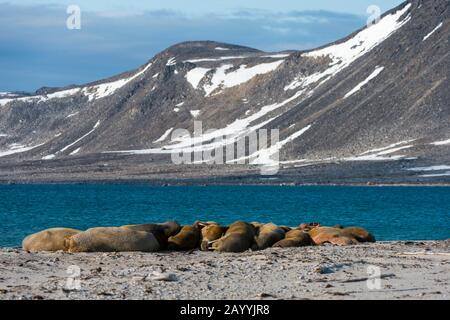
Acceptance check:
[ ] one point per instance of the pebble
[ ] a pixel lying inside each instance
(169, 277)
(266, 295)
(324, 270)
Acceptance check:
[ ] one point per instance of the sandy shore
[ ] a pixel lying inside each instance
(409, 270)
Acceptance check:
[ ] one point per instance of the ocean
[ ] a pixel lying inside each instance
(390, 213)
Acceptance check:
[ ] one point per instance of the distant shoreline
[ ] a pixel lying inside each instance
(203, 184)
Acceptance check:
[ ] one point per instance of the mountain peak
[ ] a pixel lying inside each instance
(372, 106)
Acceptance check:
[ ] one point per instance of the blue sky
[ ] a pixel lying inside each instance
(36, 48)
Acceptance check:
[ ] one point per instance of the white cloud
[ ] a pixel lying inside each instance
(139, 35)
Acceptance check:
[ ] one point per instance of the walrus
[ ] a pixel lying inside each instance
(238, 238)
(321, 235)
(112, 239)
(286, 228)
(295, 238)
(161, 231)
(360, 234)
(257, 224)
(48, 240)
(187, 239)
(267, 235)
(210, 231)
(308, 226)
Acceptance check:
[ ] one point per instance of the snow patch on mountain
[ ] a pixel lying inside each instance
(195, 75)
(42, 98)
(16, 148)
(270, 156)
(78, 140)
(164, 136)
(72, 114)
(389, 147)
(74, 152)
(92, 92)
(171, 62)
(215, 59)
(277, 56)
(49, 157)
(431, 168)
(219, 137)
(381, 154)
(441, 143)
(106, 89)
(343, 54)
(195, 113)
(436, 175)
(373, 75)
(223, 78)
(433, 31)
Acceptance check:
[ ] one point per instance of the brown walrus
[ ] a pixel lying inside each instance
(238, 238)
(360, 234)
(187, 239)
(295, 238)
(286, 228)
(210, 231)
(48, 240)
(308, 226)
(267, 235)
(112, 239)
(321, 235)
(162, 231)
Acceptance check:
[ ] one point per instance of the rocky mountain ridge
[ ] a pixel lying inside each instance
(373, 107)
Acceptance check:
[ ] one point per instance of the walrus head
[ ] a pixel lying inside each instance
(211, 232)
(70, 245)
(286, 228)
(200, 224)
(171, 228)
(256, 225)
(308, 226)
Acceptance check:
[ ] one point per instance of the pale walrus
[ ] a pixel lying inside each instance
(295, 238)
(321, 235)
(267, 235)
(112, 240)
(238, 238)
(187, 239)
(48, 240)
(360, 234)
(210, 231)
(162, 231)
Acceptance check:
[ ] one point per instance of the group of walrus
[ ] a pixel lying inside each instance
(207, 236)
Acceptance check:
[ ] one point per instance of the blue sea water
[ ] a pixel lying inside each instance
(390, 213)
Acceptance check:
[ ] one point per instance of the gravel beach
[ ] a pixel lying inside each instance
(407, 270)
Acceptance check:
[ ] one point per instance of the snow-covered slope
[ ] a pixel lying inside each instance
(377, 99)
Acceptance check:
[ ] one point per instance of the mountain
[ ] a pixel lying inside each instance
(371, 108)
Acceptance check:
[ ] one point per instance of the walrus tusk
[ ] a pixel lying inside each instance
(214, 241)
(221, 238)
